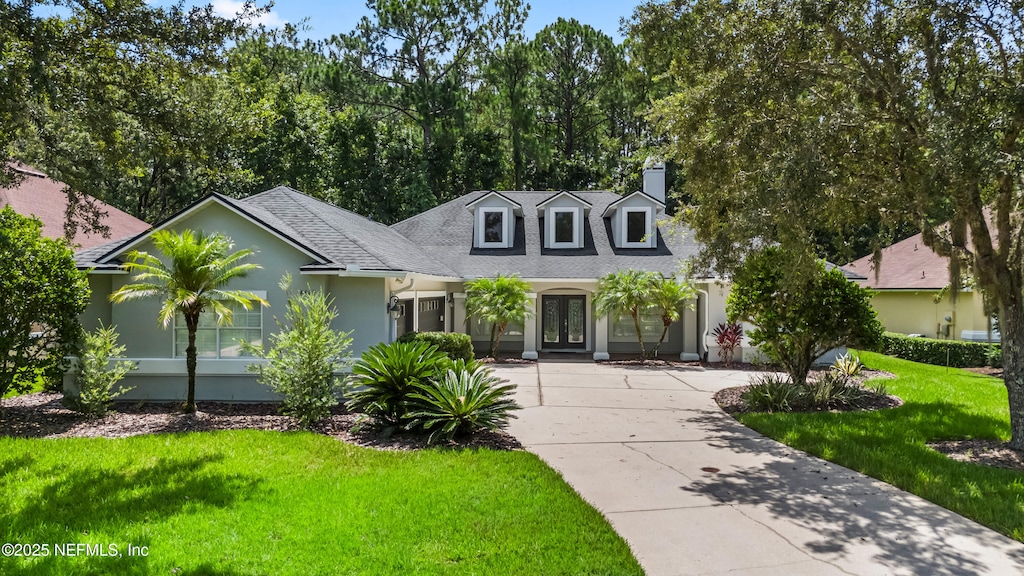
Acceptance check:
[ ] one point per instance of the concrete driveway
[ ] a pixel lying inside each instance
(695, 492)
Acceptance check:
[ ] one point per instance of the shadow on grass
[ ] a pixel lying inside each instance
(838, 507)
(78, 504)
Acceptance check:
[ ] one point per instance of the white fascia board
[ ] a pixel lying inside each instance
(615, 205)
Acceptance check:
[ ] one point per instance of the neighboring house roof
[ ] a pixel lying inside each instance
(446, 232)
(333, 238)
(37, 195)
(906, 265)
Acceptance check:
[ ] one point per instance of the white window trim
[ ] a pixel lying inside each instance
(481, 218)
(263, 334)
(575, 228)
(649, 238)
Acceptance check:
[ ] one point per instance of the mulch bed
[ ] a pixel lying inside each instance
(987, 371)
(731, 399)
(994, 453)
(42, 415)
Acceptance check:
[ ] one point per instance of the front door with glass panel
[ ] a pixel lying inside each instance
(563, 321)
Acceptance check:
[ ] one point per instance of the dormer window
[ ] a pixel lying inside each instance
(494, 220)
(565, 223)
(636, 223)
(493, 227)
(633, 220)
(563, 215)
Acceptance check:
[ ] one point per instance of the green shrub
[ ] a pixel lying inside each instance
(386, 374)
(454, 344)
(800, 309)
(773, 393)
(832, 390)
(304, 356)
(995, 356)
(95, 380)
(847, 365)
(461, 402)
(938, 352)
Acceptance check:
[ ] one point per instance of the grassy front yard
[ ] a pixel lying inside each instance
(890, 444)
(250, 502)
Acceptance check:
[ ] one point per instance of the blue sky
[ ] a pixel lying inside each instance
(327, 18)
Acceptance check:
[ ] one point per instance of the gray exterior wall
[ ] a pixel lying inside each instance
(362, 308)
(360, 303)
(99, 307)
(137, 321)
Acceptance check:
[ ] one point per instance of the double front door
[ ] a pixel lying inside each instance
(563, 321)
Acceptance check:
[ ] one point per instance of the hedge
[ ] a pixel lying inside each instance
(454, 344)
(931, 351)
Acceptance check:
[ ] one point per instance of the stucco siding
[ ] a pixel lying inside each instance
(916, 312)
(137, 321)
(362, 308)
(99, 307)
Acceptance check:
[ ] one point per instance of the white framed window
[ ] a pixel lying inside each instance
(651, 325)
(637, 231)
(224, 341)
(493, 228)
(563, 228)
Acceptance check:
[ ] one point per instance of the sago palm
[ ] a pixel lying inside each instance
(626, 292)
(498, 301)
(193, 280)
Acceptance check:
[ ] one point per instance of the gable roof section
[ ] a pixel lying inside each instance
(274, 227)
(334, 239)
(906, 265)
(615, 205)
(44, 198)
(446, 232)
(485, 194)
(557, 195)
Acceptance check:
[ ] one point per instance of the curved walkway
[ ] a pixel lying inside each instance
(695, 492)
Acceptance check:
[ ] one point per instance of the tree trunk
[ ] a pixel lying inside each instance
(664, 332)
(639, 336)
(1011, 329)
(190, 362)
(495, 336)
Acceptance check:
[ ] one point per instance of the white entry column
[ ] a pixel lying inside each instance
(530, 329)
(601, 338)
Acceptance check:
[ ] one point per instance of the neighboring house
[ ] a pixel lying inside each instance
(911, 294)
(37, 195)
(410, 276)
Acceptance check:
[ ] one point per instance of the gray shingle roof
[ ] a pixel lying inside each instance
(446, 232)
(343, 237)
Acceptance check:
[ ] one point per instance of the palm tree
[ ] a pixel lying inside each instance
(499, 300)
(672, 296)
(200, 266)
(626, 292)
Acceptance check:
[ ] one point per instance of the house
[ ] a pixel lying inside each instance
(387, 280)
(912, 295)
(37, 195)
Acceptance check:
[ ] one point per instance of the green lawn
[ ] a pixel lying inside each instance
(251, 502)
(940, 404)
